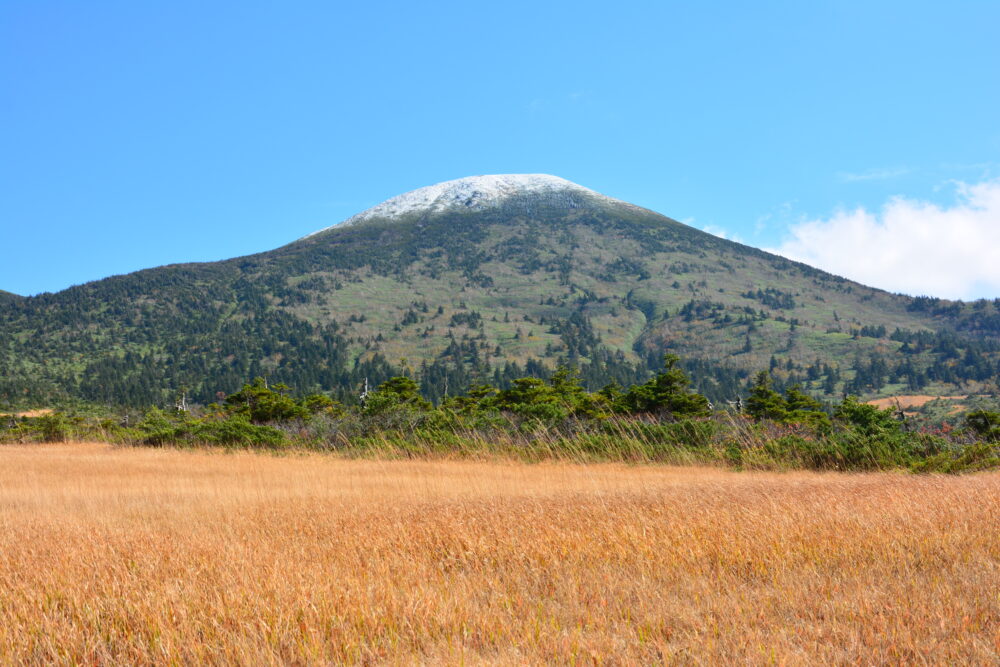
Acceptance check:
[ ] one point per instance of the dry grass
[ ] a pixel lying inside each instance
(910, 401)
(135, 556)
(29, 413)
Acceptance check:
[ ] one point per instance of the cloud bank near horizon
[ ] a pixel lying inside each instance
(910, 246)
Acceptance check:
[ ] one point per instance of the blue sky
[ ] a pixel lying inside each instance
(139, 134)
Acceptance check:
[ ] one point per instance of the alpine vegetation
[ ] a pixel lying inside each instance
(484, 280)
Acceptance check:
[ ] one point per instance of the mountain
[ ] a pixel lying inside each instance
(484, 279)
(7, 297)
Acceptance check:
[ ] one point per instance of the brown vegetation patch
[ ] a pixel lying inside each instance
(34, 413)
(910, 401)
(142, 555)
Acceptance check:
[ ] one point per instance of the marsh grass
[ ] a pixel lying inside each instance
(139, 555)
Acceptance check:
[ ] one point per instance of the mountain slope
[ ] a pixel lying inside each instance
(484, 279)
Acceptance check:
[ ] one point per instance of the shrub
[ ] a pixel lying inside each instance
(985, 424)
(238, 430)
(261, 403)
(398, 393)
(867, 419)
(55, 427)
(666, 394)
(157, 429)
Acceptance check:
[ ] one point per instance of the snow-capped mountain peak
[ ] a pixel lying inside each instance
(470, 193)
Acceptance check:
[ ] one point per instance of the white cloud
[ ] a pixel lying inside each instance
(717, 231)
(874, 174)
(911, 246)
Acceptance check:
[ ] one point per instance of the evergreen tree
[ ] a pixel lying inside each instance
(667, 394)
(764, 402)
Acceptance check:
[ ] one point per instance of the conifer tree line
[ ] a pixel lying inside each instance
(660, 419)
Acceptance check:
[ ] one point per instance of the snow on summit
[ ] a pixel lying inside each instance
(472, 192)
(475, 192)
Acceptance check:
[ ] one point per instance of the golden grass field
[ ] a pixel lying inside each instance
(117, 555)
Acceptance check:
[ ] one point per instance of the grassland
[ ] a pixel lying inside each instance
(121, 555)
